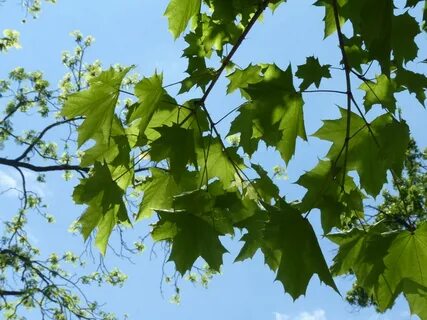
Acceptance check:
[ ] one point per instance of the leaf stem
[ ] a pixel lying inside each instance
(347, 70)
(233, 50)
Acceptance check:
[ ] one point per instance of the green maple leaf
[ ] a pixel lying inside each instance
(196, 201)
(241, 78)
(200, 78)
(219, 207)
(312, 72)
(254, 238)
(291, 126)
(191, 237)
(244, 125)
(265, 187)
(380, 92)
(329, 19)
(412, 3)
(386, 264)
(108, 151)
(417, 301)
(169, 187)
(383, 32)
(277, 103)
(404, 264)
(404, 30)
(179, 13)
(177, 144)
(356, 55)
(97, 104)
(213, 205)
(276, 113)
(297, 253)
(324, 191)
(115, 153)
(214, 161)
(223, 10)
(214, 35)
(362, 252)
(371, 151)
(105, 205)
(413, 82)
(170, 114)
(372, 20)
(151, 97)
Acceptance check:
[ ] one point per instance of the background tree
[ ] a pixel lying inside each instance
(51, 283)
(403, 209)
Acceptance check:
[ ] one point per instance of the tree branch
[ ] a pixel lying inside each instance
(41, 134)
(32, 167)
(233, 50)
(12, 293)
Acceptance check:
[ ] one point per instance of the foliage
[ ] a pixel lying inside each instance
(9, 40)
(171, 158)
(52, 283)
(405, 209)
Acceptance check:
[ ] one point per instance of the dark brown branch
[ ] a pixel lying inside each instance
(35, 168)
(12, 293)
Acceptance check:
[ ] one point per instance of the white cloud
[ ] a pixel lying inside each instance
(32, 184)
(11, 184)
(8, 184)
(377, 316)
(281, 316)
(315, 315)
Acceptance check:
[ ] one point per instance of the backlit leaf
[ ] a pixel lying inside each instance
(371, 150)
(179, 13)
(96, 104)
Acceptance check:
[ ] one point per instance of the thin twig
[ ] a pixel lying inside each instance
(233, 50)
(347, 70)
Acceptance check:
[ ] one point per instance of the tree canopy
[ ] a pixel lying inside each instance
(143, 153)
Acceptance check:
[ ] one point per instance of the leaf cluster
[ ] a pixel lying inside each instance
(145, 153)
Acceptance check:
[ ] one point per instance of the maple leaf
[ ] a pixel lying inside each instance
(177, 144)
(312, 72)
(414, 83)
(105, 205)
(373, 21)
(179, 13)
(386, 264)
(97, 104)
(380, 92)
(191, 238)
(371, 150)
(329, 19)
(115, 153)
(169, 186)
(215, 161)
(254, 238)
(151, 97)
(297, 254)
(404, 30)
(240, 79)
(275, 111)
(324, 191)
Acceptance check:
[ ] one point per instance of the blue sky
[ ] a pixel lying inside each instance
(135, 32)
